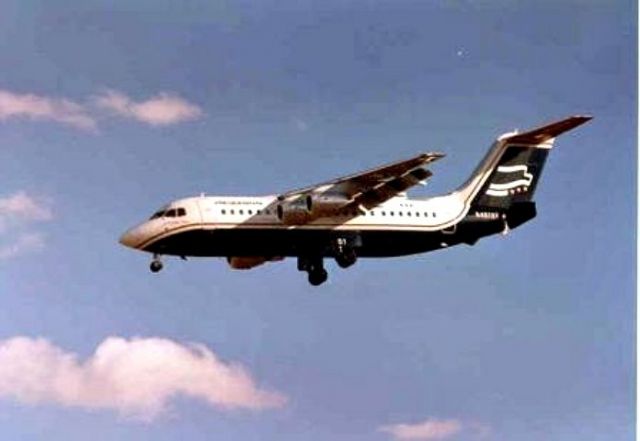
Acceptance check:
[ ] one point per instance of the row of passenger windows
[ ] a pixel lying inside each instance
(370, 213)
(403, 213)
(173, 212)
(266, 211)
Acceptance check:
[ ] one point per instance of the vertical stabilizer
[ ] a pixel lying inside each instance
(510, 172)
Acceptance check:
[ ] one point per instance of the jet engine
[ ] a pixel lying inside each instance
(248, 262)
(310, 207)
(321, 205)
(294, 212)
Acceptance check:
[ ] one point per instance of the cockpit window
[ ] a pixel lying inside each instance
(174, 212)
(157, 214)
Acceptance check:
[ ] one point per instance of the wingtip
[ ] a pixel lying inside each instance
(582, 118)
(431, 156)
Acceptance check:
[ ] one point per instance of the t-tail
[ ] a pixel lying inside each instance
(506, 179)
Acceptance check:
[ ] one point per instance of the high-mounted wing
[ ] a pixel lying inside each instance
(363, 190)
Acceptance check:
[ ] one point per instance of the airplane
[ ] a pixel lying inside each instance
(366, 214)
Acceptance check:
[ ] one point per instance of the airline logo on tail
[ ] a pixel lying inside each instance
(520, 184)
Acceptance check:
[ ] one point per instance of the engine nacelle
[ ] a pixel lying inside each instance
(248, 262)
(310, 207)
(325, 204)
(294, 212)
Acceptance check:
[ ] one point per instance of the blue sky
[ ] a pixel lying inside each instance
(107, 112)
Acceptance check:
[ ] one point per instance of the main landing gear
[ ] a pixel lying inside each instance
(314, 268)
(344, 255)
(156, 264)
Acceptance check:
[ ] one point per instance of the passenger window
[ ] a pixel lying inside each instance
(240, 211)
(250, 211)
(434, 214)
(383, 213)
(391, 213)
(409, 213)
(426, 214)
(223, 211)
(417, 214)
(399, 213)
(182, 212)
(233, 211)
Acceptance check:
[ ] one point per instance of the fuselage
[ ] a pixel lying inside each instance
(223, 226)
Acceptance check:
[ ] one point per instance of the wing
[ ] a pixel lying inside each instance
(372, 187)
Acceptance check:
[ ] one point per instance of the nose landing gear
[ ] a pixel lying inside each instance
(156, 264)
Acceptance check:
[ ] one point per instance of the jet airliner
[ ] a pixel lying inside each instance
(367, 214)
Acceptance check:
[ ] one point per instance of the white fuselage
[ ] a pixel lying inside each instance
(259, 212)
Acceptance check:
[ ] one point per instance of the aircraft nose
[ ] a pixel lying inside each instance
(132, 237)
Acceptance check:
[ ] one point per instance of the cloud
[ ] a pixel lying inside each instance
(17, 212)
(24, 243)
(161, 110)
(13, 105)
(430, 429)
(22, 206)
(136, 377)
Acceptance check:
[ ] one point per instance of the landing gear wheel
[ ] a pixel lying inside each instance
(346, 258)
(155, 266)
(318, 276)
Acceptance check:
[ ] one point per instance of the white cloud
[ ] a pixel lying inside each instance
(135, 377)
(17, 212)
(430, 429)
(13, 105)
(22, 206)
(24, 243)
(161, 110)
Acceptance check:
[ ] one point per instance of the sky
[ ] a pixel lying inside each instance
(108, 110)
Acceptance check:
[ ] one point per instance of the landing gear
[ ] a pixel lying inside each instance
(318, 276)
(346, 258)
(314, 268)
(344, 254)
(343, 249)
(156, 264)
(505, 228)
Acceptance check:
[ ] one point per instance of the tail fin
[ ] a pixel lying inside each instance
(510, 172)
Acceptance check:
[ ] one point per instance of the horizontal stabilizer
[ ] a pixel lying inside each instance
(550, 131)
